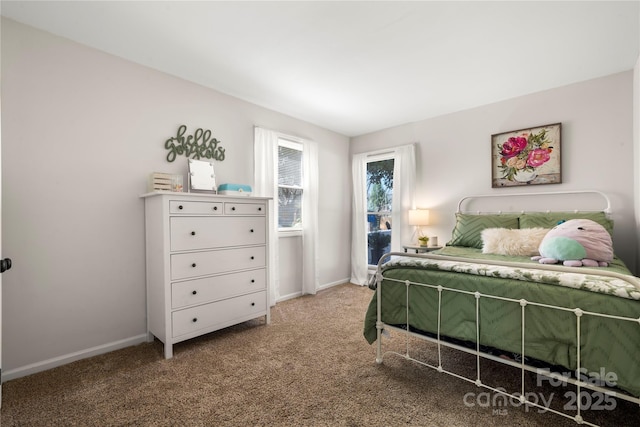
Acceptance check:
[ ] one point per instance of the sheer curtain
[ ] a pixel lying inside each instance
(265, 173)
(310, 282)
(266, 185)
(404, 184)
(358, 221)
(404, 176)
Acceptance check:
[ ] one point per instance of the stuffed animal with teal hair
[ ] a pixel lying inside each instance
(576, 243)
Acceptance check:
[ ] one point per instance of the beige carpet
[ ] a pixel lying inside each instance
(309, 367)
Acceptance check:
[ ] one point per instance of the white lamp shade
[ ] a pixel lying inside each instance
(419, 217)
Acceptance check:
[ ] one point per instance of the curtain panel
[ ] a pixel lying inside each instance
(266, 185)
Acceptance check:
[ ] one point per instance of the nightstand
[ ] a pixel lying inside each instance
(420, 249)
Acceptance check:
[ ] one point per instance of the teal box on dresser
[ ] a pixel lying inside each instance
(235, 189)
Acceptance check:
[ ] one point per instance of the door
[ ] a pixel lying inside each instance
(0, 255)
(5, 264)
(379, 206)
(378, 177)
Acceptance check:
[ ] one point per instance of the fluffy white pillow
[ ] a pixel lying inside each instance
(514, 242)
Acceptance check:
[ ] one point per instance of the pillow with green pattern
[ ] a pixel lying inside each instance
(468, 228)
(551, 219)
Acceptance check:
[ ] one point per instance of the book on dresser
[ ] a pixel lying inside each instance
(207, 262)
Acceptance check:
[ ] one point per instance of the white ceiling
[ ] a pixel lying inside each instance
(357, 66)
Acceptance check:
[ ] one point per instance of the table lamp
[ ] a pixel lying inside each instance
(419, 218)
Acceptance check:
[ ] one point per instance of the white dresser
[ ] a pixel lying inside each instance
(207, 263)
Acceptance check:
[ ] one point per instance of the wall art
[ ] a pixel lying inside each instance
(526, 157)
(198, 145)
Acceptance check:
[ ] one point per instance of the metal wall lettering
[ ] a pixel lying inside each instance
(196, 146)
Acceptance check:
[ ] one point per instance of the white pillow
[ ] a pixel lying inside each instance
(514, 242)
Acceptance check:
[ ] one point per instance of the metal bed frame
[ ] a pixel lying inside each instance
(521, 397)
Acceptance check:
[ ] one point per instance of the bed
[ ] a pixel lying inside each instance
(577, 324)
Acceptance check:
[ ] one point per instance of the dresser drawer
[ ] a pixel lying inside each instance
(197, 208)
(239, 208)
(223, 312)
(190, 233)
(195, 264)
(214, 288)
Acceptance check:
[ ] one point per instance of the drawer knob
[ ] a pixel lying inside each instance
(180, 207)
(195, 319)
(215, 208)
(259, 209)
(193, 265)
(251, 230)
(253, 304)
(194, 292)
(193, 233)
(253, 280)
(233, 208)
(252, 257)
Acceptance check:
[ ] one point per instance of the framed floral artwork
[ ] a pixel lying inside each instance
(526, 157)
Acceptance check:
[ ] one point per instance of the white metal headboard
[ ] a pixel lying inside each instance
(604, 204)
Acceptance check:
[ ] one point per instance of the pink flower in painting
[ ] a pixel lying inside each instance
(513, 146)
(525, 152)
(538, 157)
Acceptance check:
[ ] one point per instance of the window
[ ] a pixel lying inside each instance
(383, 187)
(289, 185)
(286, 171)
(379, 207)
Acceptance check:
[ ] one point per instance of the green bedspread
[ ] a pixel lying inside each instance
(609, 344)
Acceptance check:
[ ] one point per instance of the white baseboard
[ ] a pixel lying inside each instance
(23, 371)
(320, 288)
(33, 368)
(332, 284)
(288, 296)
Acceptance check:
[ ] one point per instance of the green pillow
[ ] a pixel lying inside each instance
(469, 226)
(551, 219)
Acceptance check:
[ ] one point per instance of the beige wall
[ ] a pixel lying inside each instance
(454, 154)
(636, 156)
(81, 131)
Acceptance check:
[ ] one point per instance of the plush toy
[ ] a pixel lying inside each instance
(575, 243)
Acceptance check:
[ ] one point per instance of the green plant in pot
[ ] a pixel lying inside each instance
(423, 240)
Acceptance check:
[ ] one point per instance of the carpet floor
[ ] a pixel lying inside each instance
(309, 367)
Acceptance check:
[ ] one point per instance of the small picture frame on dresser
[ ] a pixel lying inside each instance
(201, 176)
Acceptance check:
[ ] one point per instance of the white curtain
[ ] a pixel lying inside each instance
(266, 184)
(359, 220)
(404, 177)
(310, 251)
